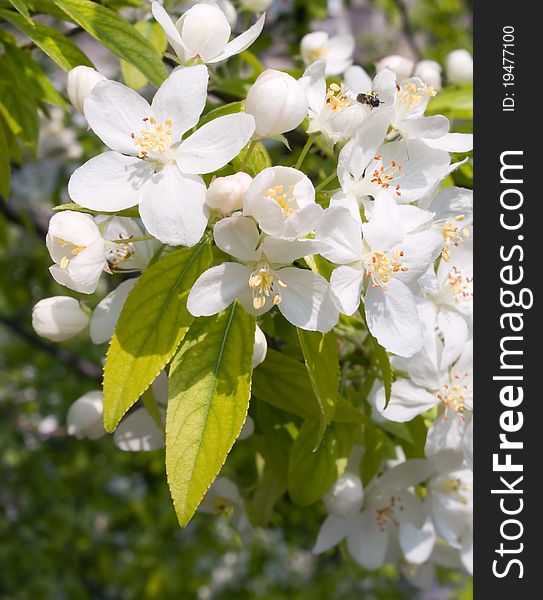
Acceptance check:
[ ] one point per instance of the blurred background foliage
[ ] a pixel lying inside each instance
(80, 519)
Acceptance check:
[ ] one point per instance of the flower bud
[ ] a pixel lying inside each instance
(84, 419)
(257, 6)
(227, 8)
(403, 67)
(260, 348)
(205, 31)
(430, 73)
(345, 496)
(459, 65)
(277, 102)
(81, 82)
(226, 193)
(59, 318)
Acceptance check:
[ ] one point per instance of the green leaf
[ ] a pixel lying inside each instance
(22, 9)
(311, 472)
(383, 361)
(20, 111)
(374, 452)
(210, 387)
(322, 363)
(127, 212)
(26, 71)
(64, 52)
(455, 102)
(152, 324)
(153, 32)
(4, 164)
(118, 35)
(283, 382)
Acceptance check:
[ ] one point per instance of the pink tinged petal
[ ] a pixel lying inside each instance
(171, 31)
(106, 314)
(114, 113)
(417, 544)
(237, 236)
(306, 301)
(283, 252)
(181, 99)
(425, 127)
(332, 531)
(314, 84)
(342, 234)
(367, 542)
(452, 142)
(393, 319)
(357, 80)
(406, 401)
(109, 182)
(205, 30)
(83, 272)
(138, 433)
(217, 288)
(346, 286)
(385, 228)
(215, 144)
(173, 208)
(242, 42)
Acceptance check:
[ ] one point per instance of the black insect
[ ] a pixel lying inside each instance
(369, 99)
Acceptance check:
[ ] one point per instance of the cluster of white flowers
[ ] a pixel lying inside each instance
(399, 244)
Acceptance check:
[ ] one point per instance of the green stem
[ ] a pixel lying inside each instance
(324, 183)
(142, 238)
(247, 156)
(305, 150)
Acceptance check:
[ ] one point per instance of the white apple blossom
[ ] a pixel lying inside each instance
(403, 67)
(282, 200)
(202, 34)
(345, 497)
(107, 312)
(226, 193)
(459, 67)
(430, 72)
(381, 259)
(78, 250)
(138, 432)
(382, 87)
(277, 102)
(450, 495)
(260, 348)
(84, 418)
(59, 318)
(263, 278)
(151, 165)
(423, 576)
(390, 513)
(81, 82)
(336, 51)
(227, 8)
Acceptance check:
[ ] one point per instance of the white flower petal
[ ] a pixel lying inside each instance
(242, 42)
(332, 531)
(217, 288)
(181, 98)
(385, 227)
(138, 433)
(173, 208)
(357, 80)
(466, 553)
(455, 333)
(306, 302)
(342, 234)
(205, 30)
(107, 312)
(114, 112)
(215, 144)
(425, 127)
(393, 319)
(171, 31)
(284, 252)
(109, 182)
(346, 286)
(367, 542)
(444, 442)
(417, 544)
(83, 272)
(406, 474)
(406, 401)
(237, 236)
(314, 83)
(452, 142)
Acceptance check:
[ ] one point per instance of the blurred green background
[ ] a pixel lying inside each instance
(80, 519)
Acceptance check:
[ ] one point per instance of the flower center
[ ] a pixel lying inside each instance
(455, 486)
(285, 199)
(453, 235)
(317, 53)
(337, 98)
(118, 253)
(412, 95)
(220, 506)
(73, 251)
(459, 284)
(381, 268)
(387, 513)
(385, 177)
(154, 137)
(264, 284)
(453, 395)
